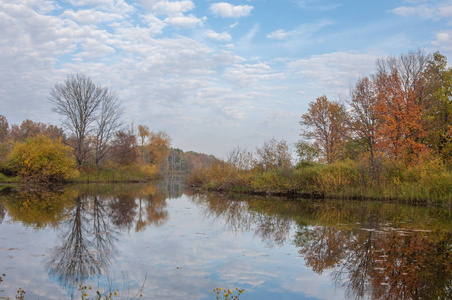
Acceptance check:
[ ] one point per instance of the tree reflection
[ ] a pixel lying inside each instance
(89, 218)
(375, 250)
(88, 243)
(382, 262)
(271, 226)
(2, 212)
(123, 211)
(90, 234)
(38, 207)
(152, 207)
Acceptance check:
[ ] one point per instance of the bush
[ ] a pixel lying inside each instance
(339, 177)
(41, 159)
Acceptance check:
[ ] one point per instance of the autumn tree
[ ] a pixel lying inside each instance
(143, 134)
(326, 124)
(399, 114)
(197, 161)
(4, 127)
(176, 160)
(403, 99)
(274, 155)
(81, 103)
(4, 145)
(29, 128)
(44, 160)
(158, 148)
(124, 148)
(363, 117)
(438, 116)
(240, 158)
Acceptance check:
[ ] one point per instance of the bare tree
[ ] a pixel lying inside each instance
(108, 124)
(274, 155)
(88, 109)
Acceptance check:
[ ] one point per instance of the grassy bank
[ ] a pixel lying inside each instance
(92, 174)
(426, 183)
(6, 179)
(115, 174)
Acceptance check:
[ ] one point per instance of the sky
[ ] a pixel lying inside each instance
(213, 75)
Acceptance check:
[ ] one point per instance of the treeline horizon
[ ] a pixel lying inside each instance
(138, 153)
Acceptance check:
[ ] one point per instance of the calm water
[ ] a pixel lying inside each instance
(182, 246)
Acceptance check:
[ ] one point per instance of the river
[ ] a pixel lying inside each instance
(161, 242)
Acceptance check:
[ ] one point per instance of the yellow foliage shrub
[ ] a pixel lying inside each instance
(150, 170)
(42, 159)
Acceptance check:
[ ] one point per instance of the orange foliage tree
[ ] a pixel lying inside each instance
(326, 123)
(400, 132)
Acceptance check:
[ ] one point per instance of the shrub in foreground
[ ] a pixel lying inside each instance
(42, 159)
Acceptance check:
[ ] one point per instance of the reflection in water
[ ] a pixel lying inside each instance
(382, 262)
(375, 250)
(272, 229)
(38, 208)
(372, 250)
(2, 212)
(87, 244)
(89, 219)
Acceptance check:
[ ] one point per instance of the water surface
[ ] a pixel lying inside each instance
(182, 246)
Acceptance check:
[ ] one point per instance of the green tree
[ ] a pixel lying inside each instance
(306, 152)
(3, 128)
(41, 159)
(438, 117)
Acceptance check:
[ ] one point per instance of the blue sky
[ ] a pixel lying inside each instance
(212, 74)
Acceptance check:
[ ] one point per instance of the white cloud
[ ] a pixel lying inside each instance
(172, 7)
(445, 12)
(184, 21)
(47, 7)
(222, 37)
(227, 10)
(95, 48)
(444, 40)
(302, 33)
(334, 72)
(280, 34)
(245, 75)
(91, 16)
(154, 24)
(436, 10)
(119, 6)
(422, 11)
